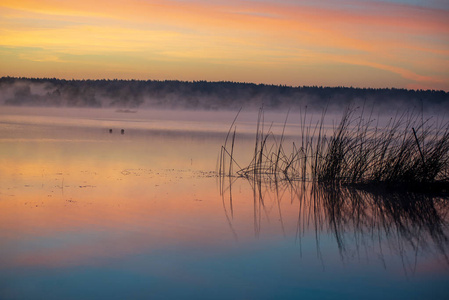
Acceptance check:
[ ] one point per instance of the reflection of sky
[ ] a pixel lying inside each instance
(352, 43)
(257, 271)
(88, 217)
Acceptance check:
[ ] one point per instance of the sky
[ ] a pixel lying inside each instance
(400, 43)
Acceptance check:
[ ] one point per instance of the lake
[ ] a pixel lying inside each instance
(86, 213)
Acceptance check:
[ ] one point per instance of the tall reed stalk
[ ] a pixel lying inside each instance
(356, 151)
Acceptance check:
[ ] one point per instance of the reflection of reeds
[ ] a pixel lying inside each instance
(400, 220)
(360, 221)
(406, 153)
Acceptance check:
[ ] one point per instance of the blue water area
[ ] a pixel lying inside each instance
(276, 269)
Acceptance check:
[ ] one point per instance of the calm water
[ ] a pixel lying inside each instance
(88, 214)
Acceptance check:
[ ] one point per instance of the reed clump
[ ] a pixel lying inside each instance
(408, 152)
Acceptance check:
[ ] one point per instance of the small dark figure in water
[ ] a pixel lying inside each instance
(123, 131)
(110, 130)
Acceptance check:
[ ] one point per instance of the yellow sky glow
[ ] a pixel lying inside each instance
(379, 44)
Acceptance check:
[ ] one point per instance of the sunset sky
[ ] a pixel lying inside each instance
(396, 43)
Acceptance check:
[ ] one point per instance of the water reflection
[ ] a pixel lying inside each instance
(364, 224)
(87, 214)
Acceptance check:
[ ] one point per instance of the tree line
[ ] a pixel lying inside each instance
(206, 95)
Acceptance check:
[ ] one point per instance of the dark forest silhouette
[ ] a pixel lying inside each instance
(206, 95)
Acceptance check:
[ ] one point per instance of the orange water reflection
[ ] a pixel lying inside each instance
(78, 195)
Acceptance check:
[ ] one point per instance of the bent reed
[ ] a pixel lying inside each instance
(409, 152)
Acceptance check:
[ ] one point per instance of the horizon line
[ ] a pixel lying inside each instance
(227, 81)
